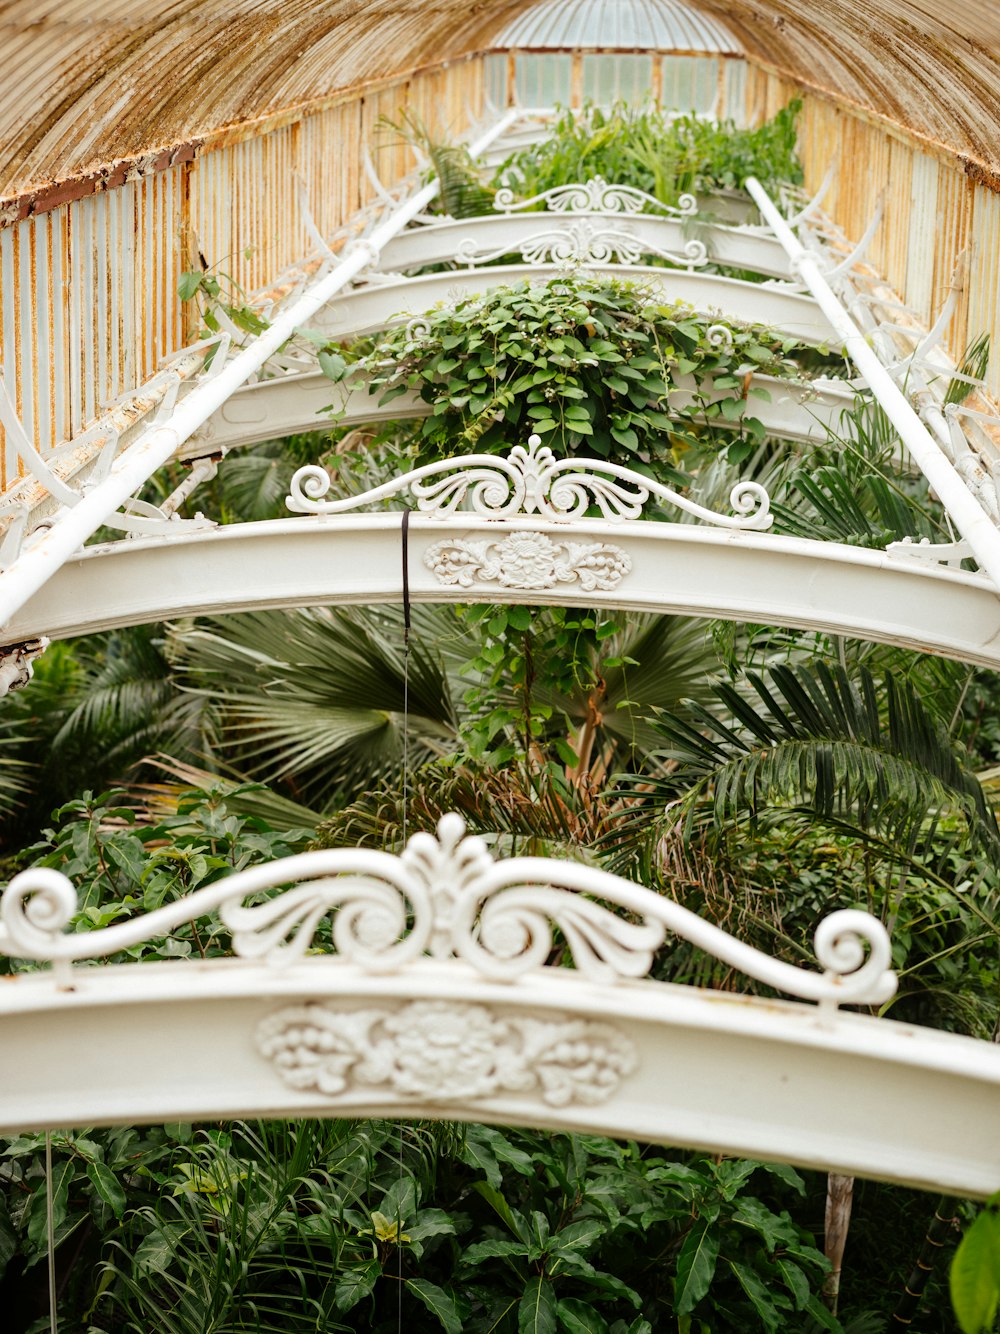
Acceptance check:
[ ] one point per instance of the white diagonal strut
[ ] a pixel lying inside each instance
(961, 505)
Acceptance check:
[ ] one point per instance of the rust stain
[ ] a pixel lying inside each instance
(186, 71)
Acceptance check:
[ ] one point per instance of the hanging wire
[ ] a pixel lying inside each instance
(405, 531)
(51, 1238)
(405, 535)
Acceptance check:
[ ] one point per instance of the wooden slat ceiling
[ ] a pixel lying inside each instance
(87, 85)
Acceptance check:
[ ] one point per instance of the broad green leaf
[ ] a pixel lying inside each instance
(62, 1175)
(975, 1272)
(514, 1221)
(356, 1284)
(795, 1281)
(438, 1302)
(492, 1249)
(107, 1186)
(577, 1317)
(696, 1263)
(760, 1298)
(430, 1223)
(578, 1236)
(774, 1229)
(536, 1311)
(157, 1250)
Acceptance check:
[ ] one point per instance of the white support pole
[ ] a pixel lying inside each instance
(72, 527)
(964, 509)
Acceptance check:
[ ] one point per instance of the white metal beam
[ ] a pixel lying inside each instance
(368, 309)
(677, 568)
(291, 403)
(466, 239)
(435, 998)
(851, 1094)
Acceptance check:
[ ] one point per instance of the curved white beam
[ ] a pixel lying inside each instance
(274, 408)
(676, 568)
(843, 1093)
(441, 242)
(367, 309)
(434, 995)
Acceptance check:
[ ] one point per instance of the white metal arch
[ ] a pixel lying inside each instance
(273, 408)
(437, 1001)
(676, 568)
(366, 310)
(470, 240)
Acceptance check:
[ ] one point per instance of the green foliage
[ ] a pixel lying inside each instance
(975, 1272)
(462, 193)
(973, 367)
(841, 744)
(305, 1227)
(663, 155)
(121, 867)
(858, 488)
(222, 302)
(589, 363)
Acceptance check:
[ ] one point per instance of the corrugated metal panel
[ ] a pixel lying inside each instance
(660, 25)
(149, 77)
(88, 291)
(983, 315)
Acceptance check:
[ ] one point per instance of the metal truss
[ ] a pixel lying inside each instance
(684, 241)
(525, 540)
(437, 1000)
(270, 387)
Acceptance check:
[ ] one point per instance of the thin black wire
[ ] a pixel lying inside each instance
(50, 1236)
(405, 534)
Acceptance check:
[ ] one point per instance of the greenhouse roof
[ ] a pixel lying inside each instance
(150, 83)
(664, 25)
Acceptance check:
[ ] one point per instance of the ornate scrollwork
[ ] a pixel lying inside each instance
(445, 1052)
(594, 196)
(530, 481)
(580, 242)
(528, 560)
(445, 896)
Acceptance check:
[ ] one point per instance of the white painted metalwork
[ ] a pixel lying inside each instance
(529, 481)
(595, 196)
(161, 441)
(437, 997)
(477, 239)
(780, 306)
(677, 568)
(962, 505)
(271, 409)
(17, 663)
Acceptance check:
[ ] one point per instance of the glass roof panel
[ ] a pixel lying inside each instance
(664, 25)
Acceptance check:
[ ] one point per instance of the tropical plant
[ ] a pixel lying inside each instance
(587, 362)
(650, 150)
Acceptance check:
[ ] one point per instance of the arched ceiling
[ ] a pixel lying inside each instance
(148, 75)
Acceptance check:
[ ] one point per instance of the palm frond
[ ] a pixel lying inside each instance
(814, 738)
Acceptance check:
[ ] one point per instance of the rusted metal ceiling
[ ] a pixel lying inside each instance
(144, 79)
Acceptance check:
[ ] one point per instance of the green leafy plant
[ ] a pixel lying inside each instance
(663, 155)
(975, 1272)
(588, 363)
